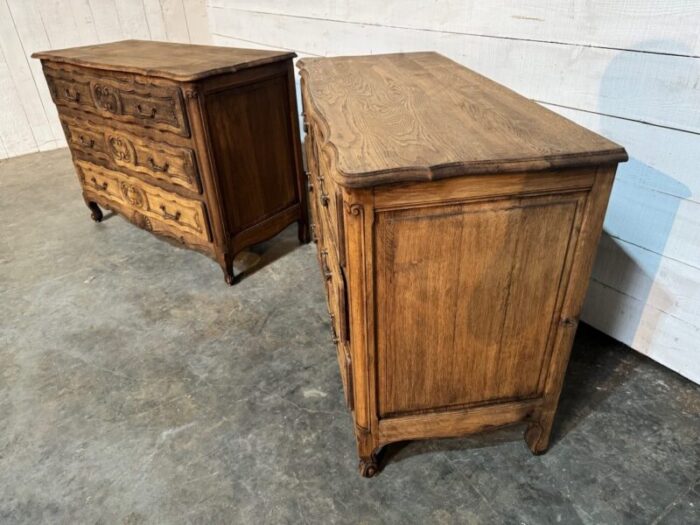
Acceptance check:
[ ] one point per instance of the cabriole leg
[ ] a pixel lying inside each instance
(96, 212)
(227, 267)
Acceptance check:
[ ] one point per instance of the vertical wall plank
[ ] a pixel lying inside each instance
(21, 77)
(198, 21)
(84, 23)
(21, 139)
(106, 17)
(154, 19)
(133, 19)
(176, 28)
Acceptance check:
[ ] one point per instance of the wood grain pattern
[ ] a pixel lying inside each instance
(462, 294)
(181, 62)
(515, 252)
(120, 149)
(389, 122)
(181, 214)
(214, 164)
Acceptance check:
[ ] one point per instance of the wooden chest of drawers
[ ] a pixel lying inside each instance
(199, 144)
(456, 225)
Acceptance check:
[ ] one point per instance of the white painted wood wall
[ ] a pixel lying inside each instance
(28, 118)
(629, 70)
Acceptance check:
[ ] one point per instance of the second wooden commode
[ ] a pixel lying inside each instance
(199, 144)
(456, 224)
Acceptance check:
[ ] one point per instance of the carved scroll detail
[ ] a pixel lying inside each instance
(106, 98)
(121, 149)
(133, 195)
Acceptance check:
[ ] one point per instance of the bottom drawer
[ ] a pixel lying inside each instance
(148, 206)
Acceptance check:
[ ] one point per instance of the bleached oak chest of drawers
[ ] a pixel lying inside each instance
(456, 225)
(199, 144)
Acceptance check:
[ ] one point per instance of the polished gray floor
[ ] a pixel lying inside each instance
(136, 387)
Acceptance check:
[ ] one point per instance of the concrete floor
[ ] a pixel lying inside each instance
(136, 387)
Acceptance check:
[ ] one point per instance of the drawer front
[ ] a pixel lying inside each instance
(180, 214)
(316, 227)
(169, 164)
(127, 98)
(327, 197)
(335, 294)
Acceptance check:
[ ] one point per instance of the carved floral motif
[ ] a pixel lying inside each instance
(133, 195)
(121, 149)
(106, 98)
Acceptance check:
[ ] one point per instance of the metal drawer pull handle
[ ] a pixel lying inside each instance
(72, 95)
(155, 167)
(170, 216)
(145, 114)
(324, 199)
(327, 273)
(85, 142)
(97, 185)
(334, 336)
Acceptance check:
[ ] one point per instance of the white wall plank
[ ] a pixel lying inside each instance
(648, 87)
(656, 221)
(84, 23)
(52, 20)
(106, 18)
(175, 18)
(154, 19)
(661, 159)
(198, 21)
(663, 337)
(648, 25)
(3, 150)
(667, 285)
(21, 139)
(132, 17)
(21, 77)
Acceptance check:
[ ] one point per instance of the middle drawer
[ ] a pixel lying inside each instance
(119, 149)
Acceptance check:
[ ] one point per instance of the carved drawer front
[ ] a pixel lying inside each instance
(316, 226)
(335, 294)
(84, 139)
(328, 200)
(127, 98)
(167, 163)
(178, 213)
(170, 164)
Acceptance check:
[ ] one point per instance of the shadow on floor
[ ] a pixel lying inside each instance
(598, 366)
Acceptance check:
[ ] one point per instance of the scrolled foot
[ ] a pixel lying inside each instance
(536, 438)
(368, 467)
(230, 278)
(95, 212)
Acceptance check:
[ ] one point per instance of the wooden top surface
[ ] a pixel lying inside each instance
(182, 62)
(421, 116)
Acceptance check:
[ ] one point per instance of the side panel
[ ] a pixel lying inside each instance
(253, 150)
(466, 296)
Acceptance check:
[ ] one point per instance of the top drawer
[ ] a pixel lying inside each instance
(124, 97)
